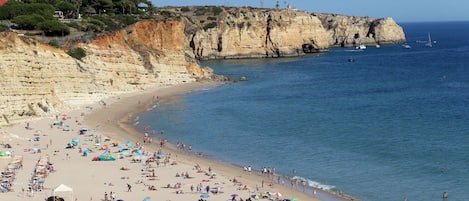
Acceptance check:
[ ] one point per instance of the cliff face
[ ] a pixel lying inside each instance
(248, 33)
(256, 33)
(38, 79)
(347, 31)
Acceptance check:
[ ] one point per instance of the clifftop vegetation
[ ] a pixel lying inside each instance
(58, 17)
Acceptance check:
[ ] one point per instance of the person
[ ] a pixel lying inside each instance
(445, 195)
(129, 188)
(113, 196)
(105, 196)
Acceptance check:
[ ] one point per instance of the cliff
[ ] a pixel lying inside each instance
(259, 33)
(345, 31)
(256, 33)
(38, 79)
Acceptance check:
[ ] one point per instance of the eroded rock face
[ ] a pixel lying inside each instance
(345, 31)
(260, 33)
(38, 79)
(256, 33)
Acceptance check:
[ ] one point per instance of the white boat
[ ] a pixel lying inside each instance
(429, 42)
(406, 46)
(361, 47)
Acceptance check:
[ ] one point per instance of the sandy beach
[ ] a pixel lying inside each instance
(93, 151)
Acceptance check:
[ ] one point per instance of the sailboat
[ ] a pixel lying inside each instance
(429, 42)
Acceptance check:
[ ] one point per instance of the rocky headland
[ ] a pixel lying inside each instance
(39, 80)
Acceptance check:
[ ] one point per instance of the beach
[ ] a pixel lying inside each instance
(94, 153)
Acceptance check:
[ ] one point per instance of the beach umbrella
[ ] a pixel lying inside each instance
(147, 199)
(234, 195)
(128, 144)
(255, 196)
(204, 195)
(294, 199)
(139, 152)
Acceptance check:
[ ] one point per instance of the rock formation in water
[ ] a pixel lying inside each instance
(259, 33)
(346, 31)
(38, 79)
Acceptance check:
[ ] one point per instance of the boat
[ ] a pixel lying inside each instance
(361, 47)
(406, 46)
(429, 42)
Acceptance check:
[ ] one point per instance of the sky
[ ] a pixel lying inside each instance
(399, 10)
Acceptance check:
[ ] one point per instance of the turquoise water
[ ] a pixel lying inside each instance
(392, 124)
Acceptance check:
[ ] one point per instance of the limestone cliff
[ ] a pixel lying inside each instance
(256, 33)
(347, 31)
(38, 79)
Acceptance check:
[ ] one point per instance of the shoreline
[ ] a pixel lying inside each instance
(112, 119)
(313, 192)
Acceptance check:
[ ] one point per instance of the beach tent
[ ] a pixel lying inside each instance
(128, 144)
(106, 158)
(62, 188)
(75, 141)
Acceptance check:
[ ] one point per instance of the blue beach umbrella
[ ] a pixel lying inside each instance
(139, 152)
(129, 144)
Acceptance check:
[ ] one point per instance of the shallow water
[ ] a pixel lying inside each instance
(390, 125)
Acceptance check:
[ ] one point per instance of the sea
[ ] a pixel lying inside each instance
(391, 125)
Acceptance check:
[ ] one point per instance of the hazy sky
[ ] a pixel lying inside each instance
(400, 10)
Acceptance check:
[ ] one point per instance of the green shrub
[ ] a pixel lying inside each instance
(77, 53)
(93, 28)
(217, 10)
(241, 25)
(201, 11)
(210, 25)
(185, 9)
(54, 28)
(109, 23)
(54, 43)
(65, 6)
(13, 8)
(4, 27)
(77, 26)
(166, 13)
(28, 22)
(126, 19)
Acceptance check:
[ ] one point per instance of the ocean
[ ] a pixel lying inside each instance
(394, 124)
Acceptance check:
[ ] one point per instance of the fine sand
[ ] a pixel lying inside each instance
(47, 162)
